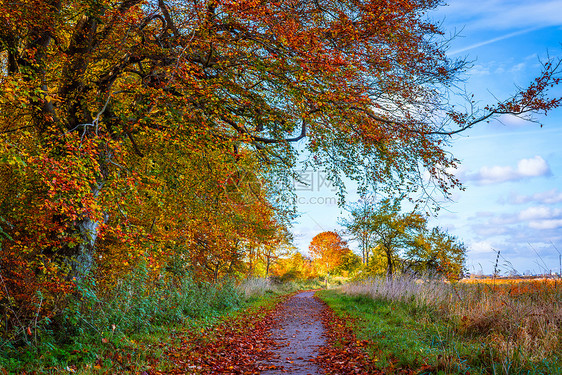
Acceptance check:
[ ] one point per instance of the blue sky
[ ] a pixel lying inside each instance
(512, 169)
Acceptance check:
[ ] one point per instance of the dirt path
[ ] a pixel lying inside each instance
(298, 335)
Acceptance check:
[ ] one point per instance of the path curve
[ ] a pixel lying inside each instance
(298, 334)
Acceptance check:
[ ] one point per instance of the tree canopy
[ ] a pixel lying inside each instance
(437, 252)
(330, 252)
(398, 240)
(146, 129)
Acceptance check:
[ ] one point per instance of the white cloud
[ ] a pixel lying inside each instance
(546, 197)
(481, 247)
(526, 168)
(540, 212)
(546, 224)
(511, 121)
(490, 175)
(542, 217)
(504, 219)
(534, 167)
(549, 197)
(517, 68)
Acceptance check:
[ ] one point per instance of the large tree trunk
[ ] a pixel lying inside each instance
(83, 255)
(84, 260)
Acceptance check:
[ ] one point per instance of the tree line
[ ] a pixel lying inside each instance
(389, 241)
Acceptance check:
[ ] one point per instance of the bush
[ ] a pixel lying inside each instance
(137, 303)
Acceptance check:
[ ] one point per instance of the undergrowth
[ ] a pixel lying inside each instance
(126, 325)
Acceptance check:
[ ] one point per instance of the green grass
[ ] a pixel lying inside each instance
(403, 334)
(129, 328)
(148, 351)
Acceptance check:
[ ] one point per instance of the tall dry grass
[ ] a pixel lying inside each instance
(256, 286)
(520, 324)
(259, 286)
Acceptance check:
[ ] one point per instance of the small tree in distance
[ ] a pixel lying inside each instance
(329, 252)
(402, 241)
(437, 252)
(392, 230)
(294, 267)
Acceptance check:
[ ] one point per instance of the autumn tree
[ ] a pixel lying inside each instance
(270, 251)
(330, 252)
(115, 116)
(402, 240)
(234, 223)
(294, 266)
(437, 252)
(378, 263)
(349, 265)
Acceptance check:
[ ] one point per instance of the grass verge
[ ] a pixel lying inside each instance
(406, 334)
(399, 335)
(135, 327)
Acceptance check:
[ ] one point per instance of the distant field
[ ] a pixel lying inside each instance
(476, 326)
(518, 286)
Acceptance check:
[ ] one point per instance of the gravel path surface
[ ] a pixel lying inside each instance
(298, 336)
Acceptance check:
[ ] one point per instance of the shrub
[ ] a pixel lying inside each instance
(136, 303)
